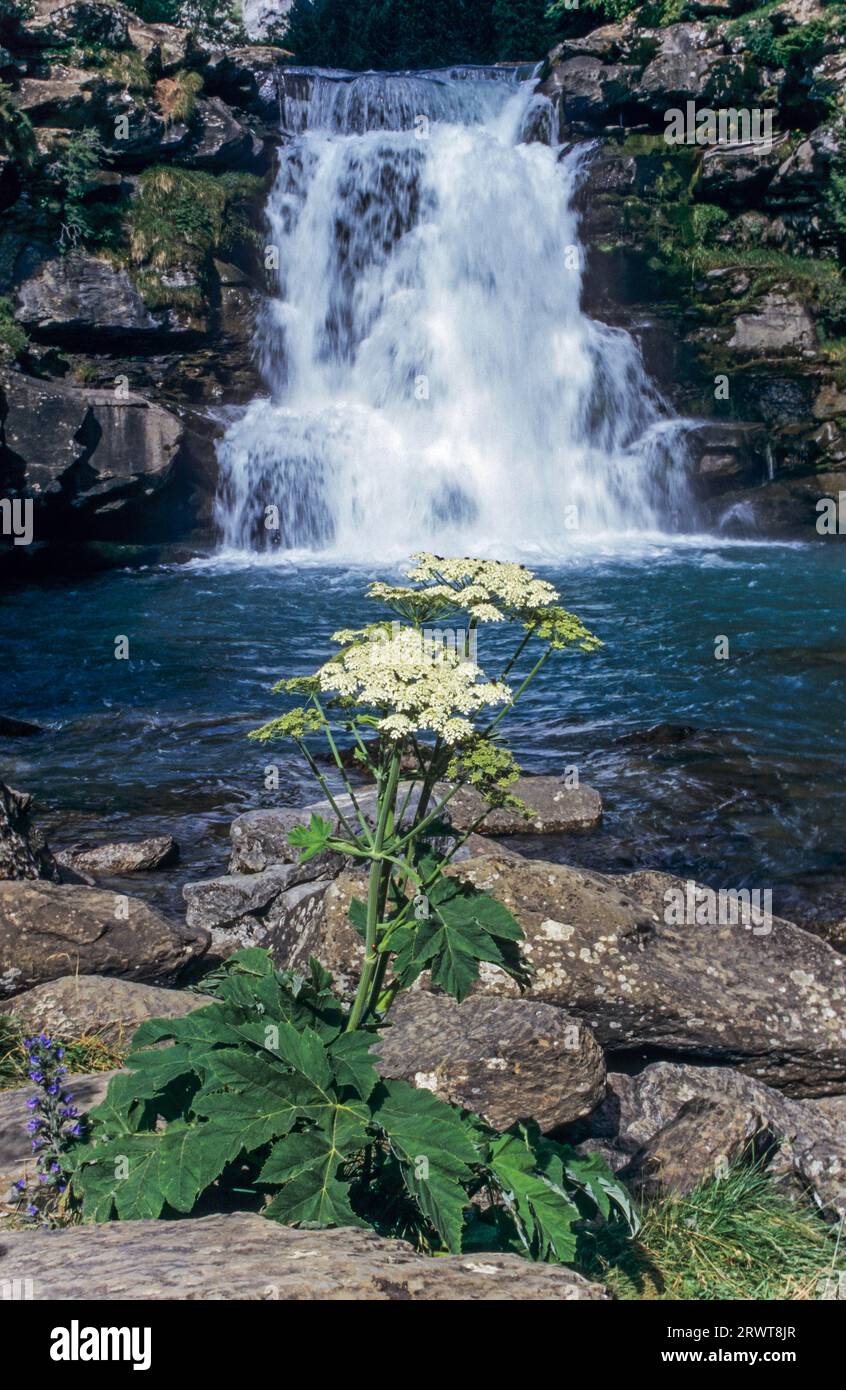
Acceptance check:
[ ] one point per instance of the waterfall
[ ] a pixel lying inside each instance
(431, 380)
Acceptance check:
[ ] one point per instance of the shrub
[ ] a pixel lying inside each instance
(272, 1088)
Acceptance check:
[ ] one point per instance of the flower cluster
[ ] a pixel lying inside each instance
(413, 692)
(491, 591)
(55, 1120)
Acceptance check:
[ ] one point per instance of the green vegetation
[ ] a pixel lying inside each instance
(17, 137)
(271, 1092)
(74, 173)
(176, 97)
(13, 340)
(739, 1237)
(178, 221)
(360, 34)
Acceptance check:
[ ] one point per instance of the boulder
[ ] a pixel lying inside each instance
(767, 999)
(705, 1137)
(221, 902)
(243, 1256)
(806, 1138)
(504, 1059)
(780, 323)
(130, 857)
(48, 930)
(771, 1004)
(23, 849)
(16, 1145)
(101, 1006)
(223, 142)
(91, 459)
(556, 808)
(84, 300)
(260, 839)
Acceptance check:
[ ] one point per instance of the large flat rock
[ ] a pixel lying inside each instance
(245, 1257)
(48, 930)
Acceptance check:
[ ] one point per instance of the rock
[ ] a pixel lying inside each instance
(221, 902)
(772, 1005)
(132, 857)
(66, 98)
(312, 920)
(704, 1138)
(224, 143)
(23, 850)
(49, 930)
(689, 65)
(54, 25)
(240, 1256)
(737, 175)
(807, 1137)
(557, 808)
(79, 298)
(588, 91)
(779, 324)
(76, 1006)
(15, 1144)
(248, 77)
(504, 1059)
(727, 453)
(260, 839)
(17, 728)
(93, 460)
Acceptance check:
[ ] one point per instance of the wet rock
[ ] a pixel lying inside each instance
(739, 174)
(93, 460)
(556, 808)
(247, 77)
(224, 143)
(130, 857)
(245, 1256)
(504, 1059)
(101, 1006)
(805, 1140)
(23, 850)
(49, 930)
(17, 728)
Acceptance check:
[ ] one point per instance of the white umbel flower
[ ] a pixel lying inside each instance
(418, 691)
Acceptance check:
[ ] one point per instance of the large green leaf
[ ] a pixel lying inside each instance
(436, 1152)
(308, 1164)
(191, 1157)
(463, 926)
(543, 1212)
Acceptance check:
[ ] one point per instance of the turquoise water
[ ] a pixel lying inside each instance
(750, 791)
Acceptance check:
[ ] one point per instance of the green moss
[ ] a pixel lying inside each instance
(13, 338)
(17, 137)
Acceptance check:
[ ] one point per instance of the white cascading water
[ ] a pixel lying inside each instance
(433, 382)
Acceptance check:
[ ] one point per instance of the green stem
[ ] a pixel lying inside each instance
(375, 894)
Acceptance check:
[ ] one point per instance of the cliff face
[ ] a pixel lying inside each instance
(726, 260)
(134, 169)
(133, 176)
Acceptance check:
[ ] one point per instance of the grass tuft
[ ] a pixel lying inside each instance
(740, 1237)
(83, 1054)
